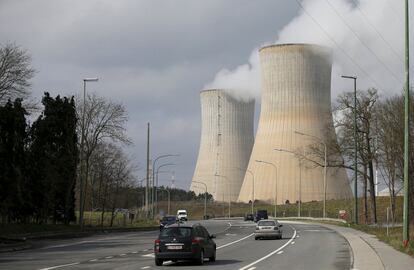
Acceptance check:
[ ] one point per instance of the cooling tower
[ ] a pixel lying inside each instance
(296, 96)
(225, 146)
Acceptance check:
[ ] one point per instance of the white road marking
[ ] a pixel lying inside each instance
(252, 268)
(151, 255)
(67, 245)
(59, 266)
(109, 257)
(271, 253)
(134, 252)
(94, 260)
(280, 252)
(234, 242)
(145, 267)
(231, 234)
(292, 243)
(123, 254)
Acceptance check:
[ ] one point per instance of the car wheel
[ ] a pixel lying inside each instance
(200, 260)
(158, 262)
(213, 258)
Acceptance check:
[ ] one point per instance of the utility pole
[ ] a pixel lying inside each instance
(356, 150)
(406, 222)
(148, 169)
(83, 175)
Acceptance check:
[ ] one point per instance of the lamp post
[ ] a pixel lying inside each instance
(82, 177)
(156, 186)
(153, 173)
(356, 150)
(274, 166)
(165, 189)
(300, 178)
(205, 197)
(229, 190)
(406, 221)
(253, 194)
(324, 169)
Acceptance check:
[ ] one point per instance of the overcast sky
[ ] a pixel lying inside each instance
(155, 56)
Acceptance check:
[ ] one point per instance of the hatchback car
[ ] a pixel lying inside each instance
(184, 242)
(268, 229)
(167, 220)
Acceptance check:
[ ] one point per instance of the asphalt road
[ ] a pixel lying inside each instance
(303, 246)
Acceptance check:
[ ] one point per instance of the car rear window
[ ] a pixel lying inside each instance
(267, 223)
(176, 232)
(168, 218)
(182, 213)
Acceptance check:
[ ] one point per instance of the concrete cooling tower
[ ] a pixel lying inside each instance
(225, 146)
(296, 96)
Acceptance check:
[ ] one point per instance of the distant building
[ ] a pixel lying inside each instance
(296, 96)
(227, 136)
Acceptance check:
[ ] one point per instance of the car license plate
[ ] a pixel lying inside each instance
(174, 247)
(266, 228)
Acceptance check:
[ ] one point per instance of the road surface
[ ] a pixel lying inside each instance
(304, 246)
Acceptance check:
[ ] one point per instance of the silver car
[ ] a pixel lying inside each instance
(268, 229)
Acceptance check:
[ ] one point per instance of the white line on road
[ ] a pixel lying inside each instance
(134, 252)
(94, 260)
(59, 266)
(252, 268)
(109, 257)
(234, 242)
(292, 243)
(280, 252)
(123, 254)
(271, 253)
(145, 267)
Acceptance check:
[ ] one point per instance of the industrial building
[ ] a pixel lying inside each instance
(227, 136)
(296, 98)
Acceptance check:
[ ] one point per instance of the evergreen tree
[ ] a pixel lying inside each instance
(12, 161)
(54, 157)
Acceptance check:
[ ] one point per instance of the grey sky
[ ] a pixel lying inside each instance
(155, 56)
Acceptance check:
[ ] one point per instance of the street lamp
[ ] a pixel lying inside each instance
(153, 175)
(205, 197)
(274, 166)
(229, 190)
(300, 178)
(156, 186)
(356, 149)
(82, 180)
(169, 198)
(324, 169)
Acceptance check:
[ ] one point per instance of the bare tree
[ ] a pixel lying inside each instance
(104, 122)
(343, 142)
(15, 72)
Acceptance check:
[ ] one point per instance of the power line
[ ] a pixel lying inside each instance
(363, 15)
(363, 43)
(337, 44)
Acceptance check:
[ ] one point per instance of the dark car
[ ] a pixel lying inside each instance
(249, 217)
(184, 242)
(167, 220)
(261, 214)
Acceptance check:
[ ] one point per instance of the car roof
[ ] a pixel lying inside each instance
(180, 225)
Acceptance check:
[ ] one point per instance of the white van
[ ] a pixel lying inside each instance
(182, 215)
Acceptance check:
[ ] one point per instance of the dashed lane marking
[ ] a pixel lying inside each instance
(109, 257)
(93, 260)
(280, 252)
(59, 266)
(145, 267)
(271, 253)
(252, 268)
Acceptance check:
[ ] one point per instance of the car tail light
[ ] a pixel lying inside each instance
(157, 245)
(196, 240)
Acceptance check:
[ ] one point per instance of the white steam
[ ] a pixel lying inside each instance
(366, 37)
